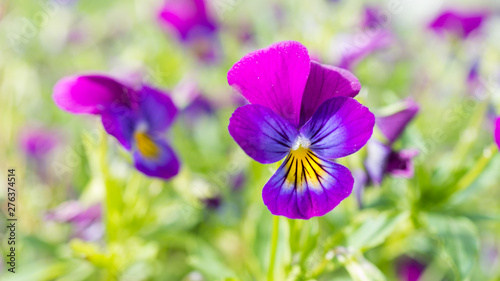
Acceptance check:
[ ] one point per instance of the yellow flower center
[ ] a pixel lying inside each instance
(303, 168)
(145, 145)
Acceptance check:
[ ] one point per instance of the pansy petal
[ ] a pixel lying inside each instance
(154, 157)
(185, 17)
(340, 126)
(91, 94)
(261, 133)
(361, 180)
(459, 23)
(376, 160)
(157, 109)
(306, 186)
(274, 77)
(393, 125)
(121, 125)
(497, 132)
(381, 40)
(326, 82)
(410, 269)
(400, 163)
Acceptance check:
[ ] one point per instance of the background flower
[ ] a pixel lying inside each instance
(137, 118)
(458, 23)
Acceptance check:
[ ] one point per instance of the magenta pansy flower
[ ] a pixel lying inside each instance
(460, 24)
(137, 117)
(190, 22)
(304, 112)
(497, 132)
(382, 159)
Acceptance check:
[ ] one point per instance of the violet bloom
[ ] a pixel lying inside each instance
(213, 202)
(190, 22)
(87, 222)
(303, 111)
(473, 79)
(199, 108)
(37, 143)
(497, 132)
(459, 24)
(382, 159)
(136, 117)
(410, 269)
(371, 18)
(373, 37)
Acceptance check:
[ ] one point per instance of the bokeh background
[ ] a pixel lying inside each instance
(84, 212)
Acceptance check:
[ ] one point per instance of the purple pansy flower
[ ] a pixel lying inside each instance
(459, 24)
(87, 222)
(382, 159)
(304, 112)
(136, 117)
(497, 132)
(190, 22)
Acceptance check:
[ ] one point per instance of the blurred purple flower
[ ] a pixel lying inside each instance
(400, 163)
(497, 132)
(212, 203)
(382, 159)
(37, 143)
(190, 22)
(371, 18)
(199, 108)
(457, 23)
(246, 33)
(473, 75)
(410, 269)
(473, 81)
(303, 111)
(136, 117)
(360, 50)
(87, 222)
(392, 126)
(360, 181)
(374, 36)
(238, 181)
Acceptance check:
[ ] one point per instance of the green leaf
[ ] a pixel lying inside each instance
(459, 241)
(359, 268)
(375, 229)
(208, 261)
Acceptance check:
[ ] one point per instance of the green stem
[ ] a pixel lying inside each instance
(274, 246)
(469, 135)
(473, 174)
(469, 178)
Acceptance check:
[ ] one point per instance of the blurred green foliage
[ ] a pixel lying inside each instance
(447, 217)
